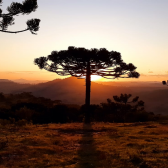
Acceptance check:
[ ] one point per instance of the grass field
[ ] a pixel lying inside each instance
(77, 145)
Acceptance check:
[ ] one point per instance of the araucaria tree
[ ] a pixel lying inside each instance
(81, 62)
(26, 7)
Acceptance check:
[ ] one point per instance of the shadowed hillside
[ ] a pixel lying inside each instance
(72, 91)
(23, 81)
(7, 86)
(156, 100)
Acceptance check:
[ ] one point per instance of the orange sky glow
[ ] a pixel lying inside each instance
(136, 29)
(47, 76)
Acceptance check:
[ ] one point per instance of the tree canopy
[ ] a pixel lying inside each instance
(26, 7)
(73, 61)
(165, 83)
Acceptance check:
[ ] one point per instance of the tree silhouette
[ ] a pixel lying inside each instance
(164, 83)
(16, 8)
(81, 62)
(122, 109)
(123, 99)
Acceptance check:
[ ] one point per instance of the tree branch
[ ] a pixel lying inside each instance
(13, 32)
(9, 14)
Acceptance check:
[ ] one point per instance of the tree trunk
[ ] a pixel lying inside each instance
(87, 100)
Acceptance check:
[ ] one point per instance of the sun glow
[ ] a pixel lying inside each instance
(95, 77)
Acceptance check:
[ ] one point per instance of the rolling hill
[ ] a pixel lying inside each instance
(72, 91)
(7, 86)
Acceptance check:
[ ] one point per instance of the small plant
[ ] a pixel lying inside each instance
(56, 142)
(144, 165)
(24, 113)
(4, 144)
(135, 159)
(21, 123)
(4, 122)
(12, 120)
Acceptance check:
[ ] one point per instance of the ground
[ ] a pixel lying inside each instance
(77, 145)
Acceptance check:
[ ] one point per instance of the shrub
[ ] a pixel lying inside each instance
(24, 113)
(21, 123)
(4, 122)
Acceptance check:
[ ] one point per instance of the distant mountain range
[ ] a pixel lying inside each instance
(7, 86)
(72, 91)
(24, 81)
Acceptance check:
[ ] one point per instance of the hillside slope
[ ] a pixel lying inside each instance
(72, 91)
(7, 86)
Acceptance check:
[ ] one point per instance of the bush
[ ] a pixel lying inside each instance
(25, 108)
(4, 122)
(21, 123)
(24, 113)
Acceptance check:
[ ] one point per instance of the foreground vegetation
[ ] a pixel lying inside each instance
(41, 110)
(36, 132)
(76, 145)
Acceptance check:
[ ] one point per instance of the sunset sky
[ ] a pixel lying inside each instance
(138, 29)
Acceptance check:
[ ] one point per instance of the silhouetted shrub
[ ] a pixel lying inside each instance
(31, 106)
(74, 115)
(4, 113)
(59, 114)
(4, 122)
(24, 113)
(21, 123)
(27, 107)
(2, 97)
(138, 116)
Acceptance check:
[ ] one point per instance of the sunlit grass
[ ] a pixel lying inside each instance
(76, 145)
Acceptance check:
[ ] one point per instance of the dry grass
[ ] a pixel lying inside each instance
(99, 145)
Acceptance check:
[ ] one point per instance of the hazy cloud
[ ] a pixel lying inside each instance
(19, 72)
(150, 72)
(141, 74)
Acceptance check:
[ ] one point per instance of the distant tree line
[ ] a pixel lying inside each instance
(41, 110)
